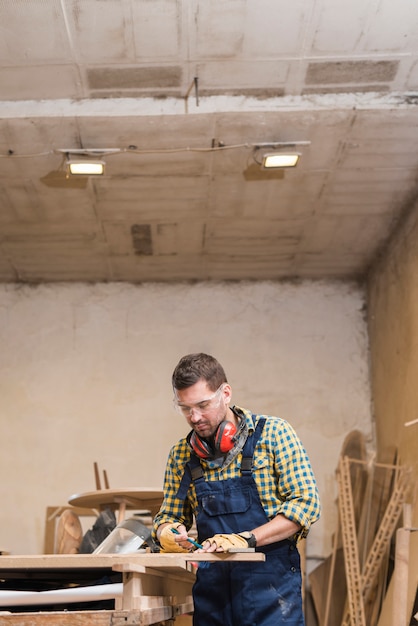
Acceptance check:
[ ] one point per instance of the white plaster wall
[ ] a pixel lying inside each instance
(85, 376)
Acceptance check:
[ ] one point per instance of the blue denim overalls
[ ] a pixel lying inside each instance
(242, 594)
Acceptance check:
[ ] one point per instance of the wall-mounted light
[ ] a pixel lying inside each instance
(276, 159)
(81, 166)
(85, 161)
(278, 154)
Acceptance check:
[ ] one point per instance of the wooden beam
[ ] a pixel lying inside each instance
(80, 618)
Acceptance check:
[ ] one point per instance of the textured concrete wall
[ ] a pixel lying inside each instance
(393, 328)
(85, 376)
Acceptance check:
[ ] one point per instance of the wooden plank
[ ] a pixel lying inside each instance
(153, 615)
(137, 586)
(97, 561)
(184, 607)
(333, 559)
(59, 561)
(65, 618)
(319, 581)
(400, 610)
(182, 575)
(390, 601)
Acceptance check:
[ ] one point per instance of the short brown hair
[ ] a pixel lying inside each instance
(194, 367)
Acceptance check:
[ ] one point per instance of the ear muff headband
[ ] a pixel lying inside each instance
(223, 441)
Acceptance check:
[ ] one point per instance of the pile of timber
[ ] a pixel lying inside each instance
(350, 586)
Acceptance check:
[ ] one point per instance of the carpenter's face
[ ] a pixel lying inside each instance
(203, 408)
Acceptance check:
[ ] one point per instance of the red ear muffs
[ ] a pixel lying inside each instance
(224, 436)
(200, 447)
(223, 441)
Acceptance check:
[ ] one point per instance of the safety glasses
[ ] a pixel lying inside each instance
(208, 404)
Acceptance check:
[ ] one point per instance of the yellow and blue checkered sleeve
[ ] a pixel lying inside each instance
(295, 492)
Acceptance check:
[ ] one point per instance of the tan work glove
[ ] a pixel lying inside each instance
(226, 542)
(168, 540)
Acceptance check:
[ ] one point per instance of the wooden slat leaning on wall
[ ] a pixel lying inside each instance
(378, 492)
(327, 582)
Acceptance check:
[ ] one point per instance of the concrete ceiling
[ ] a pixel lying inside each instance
(185, 90)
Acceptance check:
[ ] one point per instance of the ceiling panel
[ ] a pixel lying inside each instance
(24, 29)
(188, 94)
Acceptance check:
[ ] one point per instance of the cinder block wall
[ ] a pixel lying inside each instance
(85, 376)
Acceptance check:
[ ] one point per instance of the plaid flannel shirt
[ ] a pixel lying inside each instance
(281, 470)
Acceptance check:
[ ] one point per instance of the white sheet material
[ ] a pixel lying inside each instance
(60, 596)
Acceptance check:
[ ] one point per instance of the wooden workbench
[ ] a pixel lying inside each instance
(157, 588)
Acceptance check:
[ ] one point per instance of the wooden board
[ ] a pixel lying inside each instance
(390, 601)
(84, 618)
(81, 561)
(61, 618)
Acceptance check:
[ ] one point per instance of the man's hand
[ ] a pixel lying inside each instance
(224, 543)
(170, 542)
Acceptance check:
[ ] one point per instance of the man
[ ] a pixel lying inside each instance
(247, 481)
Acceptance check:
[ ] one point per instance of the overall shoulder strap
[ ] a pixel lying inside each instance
(250, 444)
(192, 471)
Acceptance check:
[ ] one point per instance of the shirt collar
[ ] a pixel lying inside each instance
(244, 415)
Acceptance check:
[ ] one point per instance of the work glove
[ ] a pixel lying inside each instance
(226, 542)
(168, 540)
